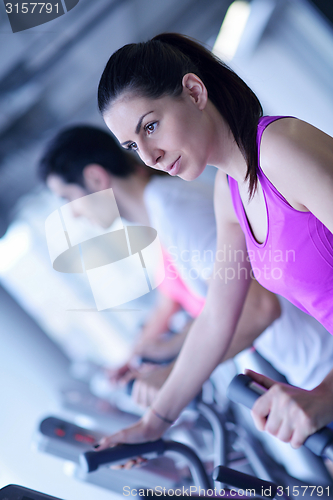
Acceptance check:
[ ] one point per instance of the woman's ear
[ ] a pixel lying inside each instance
(195, 88)
(96, 178)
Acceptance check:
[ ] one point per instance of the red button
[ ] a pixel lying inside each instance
(59, 432)
(84, 438)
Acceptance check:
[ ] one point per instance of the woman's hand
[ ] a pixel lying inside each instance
(148, 428)
(161, 348)
(148, 379)
(148, 383)
(124, 373)
(290, 413)
(157, 349)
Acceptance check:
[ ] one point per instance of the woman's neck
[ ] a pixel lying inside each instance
(225, 153)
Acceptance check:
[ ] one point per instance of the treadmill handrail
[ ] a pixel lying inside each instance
(91, 460)
(242, 390)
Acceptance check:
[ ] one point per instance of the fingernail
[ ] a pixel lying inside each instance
(96, 446)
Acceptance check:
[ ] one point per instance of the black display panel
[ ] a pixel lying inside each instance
(326, 7)
(14, 492)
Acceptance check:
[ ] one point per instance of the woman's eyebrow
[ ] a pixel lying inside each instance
(138, 127)
(137, 130)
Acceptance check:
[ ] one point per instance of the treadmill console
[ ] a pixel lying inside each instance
(13, 492)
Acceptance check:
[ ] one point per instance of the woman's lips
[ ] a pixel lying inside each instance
(174, 168)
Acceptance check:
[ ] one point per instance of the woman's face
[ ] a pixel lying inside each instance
(169, 134)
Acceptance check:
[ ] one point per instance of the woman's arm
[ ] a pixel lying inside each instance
(261, 308)
(210, 334)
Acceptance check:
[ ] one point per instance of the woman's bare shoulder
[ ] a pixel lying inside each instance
(298, 159)
(287, 141)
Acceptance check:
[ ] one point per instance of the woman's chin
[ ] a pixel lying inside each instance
(190, 175)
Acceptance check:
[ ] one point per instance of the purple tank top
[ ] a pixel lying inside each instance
(296, 258)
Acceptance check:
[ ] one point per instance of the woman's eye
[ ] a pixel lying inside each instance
(150, 127)
(132, 146)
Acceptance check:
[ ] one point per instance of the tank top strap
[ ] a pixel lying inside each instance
(238, 206)
(267, 186)
(271, 194)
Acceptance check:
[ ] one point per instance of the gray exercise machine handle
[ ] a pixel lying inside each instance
(244, 390)
(245, 482)
(91, 460)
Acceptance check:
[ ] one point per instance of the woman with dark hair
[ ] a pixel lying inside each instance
(181, 108)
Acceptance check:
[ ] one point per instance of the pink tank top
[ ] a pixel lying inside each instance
(174, 287)
(296, 258)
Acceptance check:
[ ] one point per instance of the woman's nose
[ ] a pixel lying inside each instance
(151, 157)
